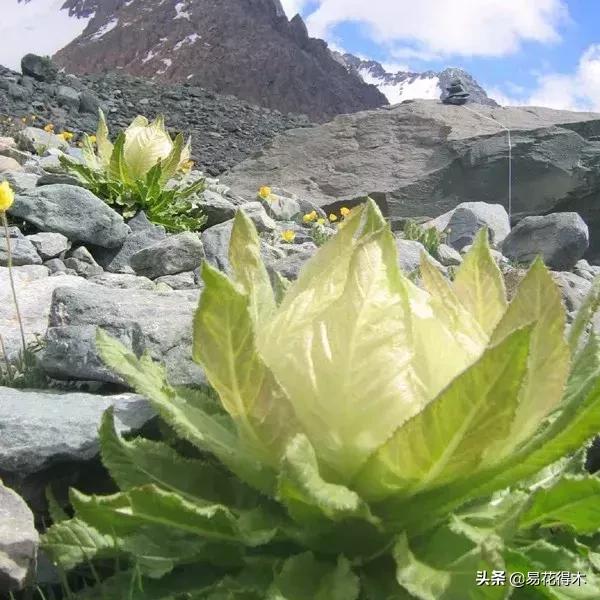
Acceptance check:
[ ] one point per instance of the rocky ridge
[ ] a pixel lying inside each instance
(224, 129)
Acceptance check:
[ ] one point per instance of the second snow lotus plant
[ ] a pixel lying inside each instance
(372, 440)
(140, 171)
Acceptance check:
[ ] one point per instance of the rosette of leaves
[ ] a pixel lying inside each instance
(139, 172)
(372, 440)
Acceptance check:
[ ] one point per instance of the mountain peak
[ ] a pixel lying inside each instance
(248, 49)
(407, 85)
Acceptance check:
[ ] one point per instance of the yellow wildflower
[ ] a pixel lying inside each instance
(187, 166)
(66, 135)
(288, 236)
(265, 192)
(310, 217)
(321, 221)
(344, 211)
(24, 119)
(49, 128)
(332, 217)
(7, 196)
(92, 139)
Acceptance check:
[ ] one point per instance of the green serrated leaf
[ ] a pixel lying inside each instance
(187, 419)
(224, 344)
(303, 577)
(572, 501)
(141, 462)
(73, 542)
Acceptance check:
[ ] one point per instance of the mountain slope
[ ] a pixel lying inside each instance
(405, 85)
(248, 49)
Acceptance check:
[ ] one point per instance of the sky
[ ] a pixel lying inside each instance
(536, 52)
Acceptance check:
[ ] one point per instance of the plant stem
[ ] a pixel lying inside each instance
(12, 281)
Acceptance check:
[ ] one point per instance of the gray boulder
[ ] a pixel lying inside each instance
(22, 250)
(585, 270)
(425, 158)
(448, 256)
(55, 265)
(118, 260)
(21, 182)
(18, 542)
(37, 435)
(160, 323)
(561, 239)
(216, 246)
(216, 208)
(409, 256)
(67, 96)
(283, 208)
(38, 67)
(469, 217)
(88, 103)
(175, 254)
(32, 139)
(49, 245)
(8, 164)
(82, 262)
(73, 211)
(181, 281)
(289, 266)
(573, 289)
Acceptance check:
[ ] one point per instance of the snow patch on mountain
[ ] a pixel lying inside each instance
(41, 27)
(189, 40)
(410, 88)
(405, 85)
(105, 29)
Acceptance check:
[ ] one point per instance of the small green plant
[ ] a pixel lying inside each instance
(372, 440)
(430, 237)
(137, 172)
(23, 372)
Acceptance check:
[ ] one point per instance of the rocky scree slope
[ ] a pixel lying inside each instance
(224, 129)
(406, 85)
(248, 49)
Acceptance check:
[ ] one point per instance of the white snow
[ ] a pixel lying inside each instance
(105, 29)
(187, 41)
(181, 12)
(148, 56)
(427, 88)
(167, 62)
(40, 26)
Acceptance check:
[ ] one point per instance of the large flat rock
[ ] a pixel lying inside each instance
(34, 292)
(145, 321)
(42, 428)
(424, 158)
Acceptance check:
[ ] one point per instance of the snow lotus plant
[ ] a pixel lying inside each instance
(364, 438)
(134, 173)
